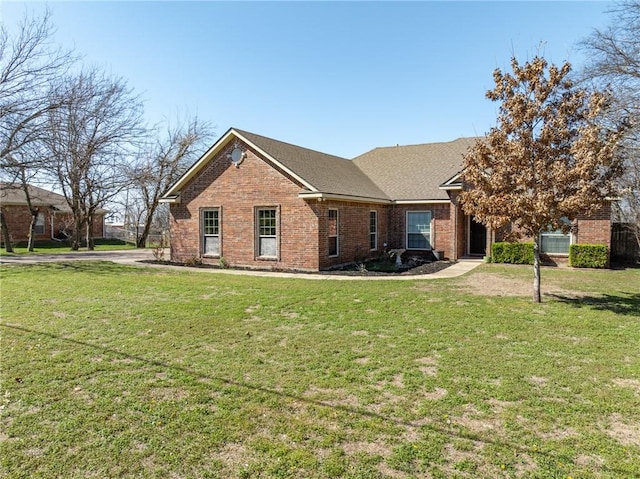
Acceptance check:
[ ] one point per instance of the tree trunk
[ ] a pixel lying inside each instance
(536, 271)
(32, 229)
(6, 238)
(77, 232)
(141, 242)
(90, 243)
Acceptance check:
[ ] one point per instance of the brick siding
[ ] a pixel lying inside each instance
(237, 192)
(18, 219)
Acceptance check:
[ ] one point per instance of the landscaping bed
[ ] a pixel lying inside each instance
(369, 268)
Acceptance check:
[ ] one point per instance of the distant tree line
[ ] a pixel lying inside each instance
(83, 132)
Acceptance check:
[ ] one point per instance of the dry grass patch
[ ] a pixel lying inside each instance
(633, 384)
(493, 284)
(623, 430)
(371, 448)
(479, 422)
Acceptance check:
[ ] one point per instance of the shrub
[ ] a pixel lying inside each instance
(193, 261)
(514, 253)
(588, 255)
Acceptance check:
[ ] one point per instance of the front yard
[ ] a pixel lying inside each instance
(117, 371)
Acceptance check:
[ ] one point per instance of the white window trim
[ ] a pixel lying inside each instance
(256, 228)
(337, 235)
(203, 235)
(374, 233)
(406, 232)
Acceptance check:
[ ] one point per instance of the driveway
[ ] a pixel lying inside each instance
(127, 256)
(134, 256)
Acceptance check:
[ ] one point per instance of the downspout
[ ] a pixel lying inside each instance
(52, 226)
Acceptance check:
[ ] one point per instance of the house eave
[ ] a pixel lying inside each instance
(421, 202)
(173, 199)
(321, 196)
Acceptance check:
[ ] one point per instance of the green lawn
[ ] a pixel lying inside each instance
(115, 371)
(54, 247)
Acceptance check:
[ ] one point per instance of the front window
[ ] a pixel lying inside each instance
(332, 231)
(555, 241)
(211, 232)
(267, 228)
(418, 230)
(373, 230)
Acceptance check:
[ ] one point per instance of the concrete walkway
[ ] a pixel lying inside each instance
(135, 256)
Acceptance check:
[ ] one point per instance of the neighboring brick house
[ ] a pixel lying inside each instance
(263, 203)
(54, 214)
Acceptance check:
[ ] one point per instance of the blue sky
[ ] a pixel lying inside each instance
(337, 77)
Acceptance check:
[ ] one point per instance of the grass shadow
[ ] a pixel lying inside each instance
(624, 303)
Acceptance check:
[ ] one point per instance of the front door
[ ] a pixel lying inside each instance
(477, 238)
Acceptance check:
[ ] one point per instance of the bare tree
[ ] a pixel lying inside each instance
(29, 65)
(160, 165)
(89, 139)
(548, 158)
(614, 63)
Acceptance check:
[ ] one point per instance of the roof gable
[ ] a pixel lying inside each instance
(317, 172)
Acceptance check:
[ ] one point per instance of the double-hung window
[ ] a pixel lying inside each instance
(211, 232)
(373, 230)
(419, 230)
(39, 226)
(332, 231)
(267, 233)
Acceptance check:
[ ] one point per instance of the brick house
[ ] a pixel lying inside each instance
(262, 203)
(54, 214)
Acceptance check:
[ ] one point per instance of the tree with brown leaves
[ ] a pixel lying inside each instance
(548, 158)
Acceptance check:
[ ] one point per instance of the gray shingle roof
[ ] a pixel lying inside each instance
(11, 194)
(414, 172)
(410, 173)
(327, 173)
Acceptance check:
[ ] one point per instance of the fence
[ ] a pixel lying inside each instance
(624, 245)
(131, 236)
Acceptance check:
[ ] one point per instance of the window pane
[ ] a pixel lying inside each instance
(39, 226)
(332, 222)
(212, 245)
(268, 247)
(554, 243)
(373, 230)
(210, 222)
(419, 222)
(333, 246)
(267, 222)
(418, 241)
(419, 230)
(332, 232)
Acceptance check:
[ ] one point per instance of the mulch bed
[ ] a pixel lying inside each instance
(426, 268)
